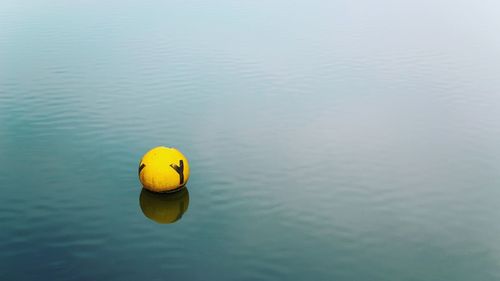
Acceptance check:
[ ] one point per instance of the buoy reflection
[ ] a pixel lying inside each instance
(164, 207)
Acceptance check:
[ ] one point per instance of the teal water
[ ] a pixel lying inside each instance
(328, 140)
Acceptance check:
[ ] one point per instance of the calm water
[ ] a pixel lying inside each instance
(328, 140)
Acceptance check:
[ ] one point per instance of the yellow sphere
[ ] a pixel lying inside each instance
(164, 207)
(163, 169)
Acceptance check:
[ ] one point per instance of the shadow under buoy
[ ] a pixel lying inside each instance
(164, 207)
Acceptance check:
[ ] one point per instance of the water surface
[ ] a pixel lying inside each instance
(328, 140)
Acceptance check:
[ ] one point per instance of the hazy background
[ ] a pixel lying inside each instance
(328, 140)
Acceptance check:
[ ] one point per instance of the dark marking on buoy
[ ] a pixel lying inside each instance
(141, 167)
(180, 170)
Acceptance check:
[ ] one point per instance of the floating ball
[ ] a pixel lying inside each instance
(163, 169)
(164, 207)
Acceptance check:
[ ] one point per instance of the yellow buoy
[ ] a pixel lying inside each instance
(164, 208)
(163, 169)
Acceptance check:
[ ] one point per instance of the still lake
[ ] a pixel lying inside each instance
(327, 140)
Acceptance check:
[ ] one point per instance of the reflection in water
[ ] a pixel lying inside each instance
(164, 207)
